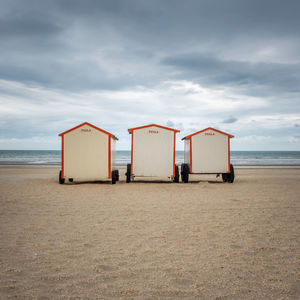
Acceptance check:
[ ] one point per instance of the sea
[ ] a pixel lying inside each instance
(247, 159)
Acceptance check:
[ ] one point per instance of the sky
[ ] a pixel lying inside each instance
(233, 65)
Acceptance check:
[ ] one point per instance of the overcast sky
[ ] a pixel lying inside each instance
(229, 64)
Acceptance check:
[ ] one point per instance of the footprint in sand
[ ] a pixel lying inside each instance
(106, 268)
(182, 281)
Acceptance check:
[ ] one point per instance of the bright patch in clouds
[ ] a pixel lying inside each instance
(180, 104)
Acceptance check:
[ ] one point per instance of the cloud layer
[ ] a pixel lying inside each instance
(233, 65)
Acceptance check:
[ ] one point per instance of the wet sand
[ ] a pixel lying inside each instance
(150, 240)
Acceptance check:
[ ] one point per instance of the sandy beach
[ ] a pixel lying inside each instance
(150, 239)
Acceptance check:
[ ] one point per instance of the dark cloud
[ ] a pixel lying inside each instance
(65, 75)
(212, 70)
(149, 40)
(28, 26)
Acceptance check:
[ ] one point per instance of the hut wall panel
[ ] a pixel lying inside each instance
(210, 152)
(86, 154)
(153, 152)
(187, 151)
(113, 154)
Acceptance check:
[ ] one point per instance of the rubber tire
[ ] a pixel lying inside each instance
(113, 177)
(176, 178)
(182, 173)
(231, 175)
(117, 175)
(185, 170)
(61, 180)
(128, 173)
(187, 173)
(70, 179)
(225, 177)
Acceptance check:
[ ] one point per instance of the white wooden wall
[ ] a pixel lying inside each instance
(210, 152)
(187, 151)
(153, 152)
(113, 154)
(86, 154)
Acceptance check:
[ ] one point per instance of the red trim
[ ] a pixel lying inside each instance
(209, 128)
(150, 125)
(191, 157)
(62, 156)
(109, 156)
(131, 166)
(229, 155)
(174, 152)
(91, 125)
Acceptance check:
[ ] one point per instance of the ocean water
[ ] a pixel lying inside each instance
(238, 158)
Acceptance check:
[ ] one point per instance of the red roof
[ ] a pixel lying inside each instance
(208, 128)
(150, 125)
(91, 125)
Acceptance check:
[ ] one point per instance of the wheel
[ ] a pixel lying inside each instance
(60, 179)
(70, 179)
(225, 177)
(182, 173)
(128, 173)
(113, 177)
(176, 178)
(185, 170)
(117, 175)
(231, 174)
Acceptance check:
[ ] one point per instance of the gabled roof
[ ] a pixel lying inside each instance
(208, 128)
(91, 125)
(150, 125)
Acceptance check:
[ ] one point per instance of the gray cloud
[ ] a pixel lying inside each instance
(170, 123)
(230, 120)
(28, 26)
(191, 62)
(212, 70)
(75, 44)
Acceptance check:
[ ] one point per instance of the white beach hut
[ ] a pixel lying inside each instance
(207, 152)
(87, 154)
(152, 152)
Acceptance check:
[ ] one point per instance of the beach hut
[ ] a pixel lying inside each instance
(152, 152)
(88, 154)
(207, 152)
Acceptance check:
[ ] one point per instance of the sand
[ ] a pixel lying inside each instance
(150, 240)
